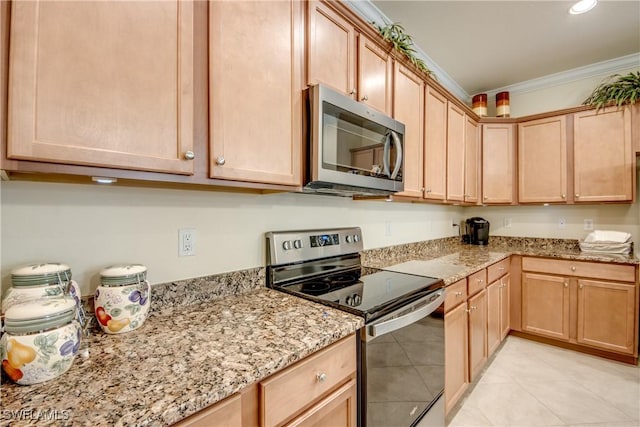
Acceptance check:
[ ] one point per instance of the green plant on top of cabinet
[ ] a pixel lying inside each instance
(498, 163)
(603, 155)
(542, 160)
(348, 61)
(107, 84)
(256, 123)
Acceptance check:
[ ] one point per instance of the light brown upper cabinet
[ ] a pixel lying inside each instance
(349, 62)
(102, 83)
(603, 155)
(435, 145)
(255, 91)
(498, 163)
(374, 75)
(472, 155)
(456, 128)
(542, 160)
(408, 108)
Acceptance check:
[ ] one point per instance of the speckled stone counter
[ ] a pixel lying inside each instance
(451, 260)
(180, 361)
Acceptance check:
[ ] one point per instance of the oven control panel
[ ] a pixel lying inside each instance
(284, 247)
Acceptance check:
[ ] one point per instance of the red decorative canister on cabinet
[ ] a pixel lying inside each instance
(502, 104)
(479, 104)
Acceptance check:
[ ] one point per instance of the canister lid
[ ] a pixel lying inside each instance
(120, 275)
(39, 315)
(50, 273)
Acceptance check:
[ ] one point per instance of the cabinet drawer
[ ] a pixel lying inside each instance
(477, 281)
(286, 393)
(456, 293)
(596, 270)
(226, 413)
(498, 270)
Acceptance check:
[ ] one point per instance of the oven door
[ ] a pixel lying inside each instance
(402, 366)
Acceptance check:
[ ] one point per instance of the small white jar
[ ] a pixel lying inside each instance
(40, 281)
(122, 300)
(41, 339)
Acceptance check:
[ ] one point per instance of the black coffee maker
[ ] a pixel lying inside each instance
(477, 231)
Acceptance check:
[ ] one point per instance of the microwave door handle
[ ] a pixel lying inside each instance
(396, 142)
(406, 320)
(386, 155)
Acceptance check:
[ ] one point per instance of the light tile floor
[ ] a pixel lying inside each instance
(532, 384)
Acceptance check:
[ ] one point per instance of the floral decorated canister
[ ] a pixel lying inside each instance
(122, 300)
(40, 281)
(41, 339)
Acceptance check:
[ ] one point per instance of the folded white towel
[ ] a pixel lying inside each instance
(608, 236)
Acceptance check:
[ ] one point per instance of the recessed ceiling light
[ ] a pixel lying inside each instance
(583, 6)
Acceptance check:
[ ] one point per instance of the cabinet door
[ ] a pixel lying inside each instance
(493, 317)
(505, 306)
(472, 157)
(477, 333)
(227, 413)
(255, 117)
(332, 49)
(603, 158)
(545, 305)
(435, 145)
(102, 83)
(497, 163)
(542, 160)
(456, 375)
(606, 315)
(456, 128)
(338, 409)
(408, 108)
(374, 75)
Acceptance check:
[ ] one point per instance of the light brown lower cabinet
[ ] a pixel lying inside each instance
(590, 304)
(497, 312)
(456, 376)
(477, 333)
(320, 390)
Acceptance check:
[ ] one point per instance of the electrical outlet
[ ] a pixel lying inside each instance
(387, 228)
(186, 242)
(562, 223)
(507, 222)
(588, 224)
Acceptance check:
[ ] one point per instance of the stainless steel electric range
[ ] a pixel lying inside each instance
(401, 347)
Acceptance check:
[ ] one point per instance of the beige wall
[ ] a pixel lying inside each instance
(90, 226)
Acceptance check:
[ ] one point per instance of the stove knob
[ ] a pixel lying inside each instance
(357, 299)
(356, 238)
(286, 245)
(297, 244)
(348, 301)
(349, 239)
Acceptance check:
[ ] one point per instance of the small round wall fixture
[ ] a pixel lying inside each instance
(582, 6)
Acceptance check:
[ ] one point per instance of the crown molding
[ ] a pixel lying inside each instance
(370, 13)
(611, 66)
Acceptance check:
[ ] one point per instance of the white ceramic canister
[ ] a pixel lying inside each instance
(41, 339)
(40, 281)
(122, 300)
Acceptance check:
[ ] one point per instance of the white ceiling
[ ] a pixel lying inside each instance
(485, 45)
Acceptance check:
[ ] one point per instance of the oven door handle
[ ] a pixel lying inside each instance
(409, 318)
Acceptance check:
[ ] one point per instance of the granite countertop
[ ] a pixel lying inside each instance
(180, 361)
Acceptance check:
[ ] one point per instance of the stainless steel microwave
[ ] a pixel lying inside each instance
(354, 149)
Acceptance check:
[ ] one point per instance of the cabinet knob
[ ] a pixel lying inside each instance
(485, 198)
(220, 161)
(321, 377)
(353, 92)
(474, 307)
(468, 310)
(581, 286)
(365, 98)
(428, 190)
(458, 294)
(577, 196)
(573, 268)
(189, 155)
(422, 190)
(566, 285)
(564, 196)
